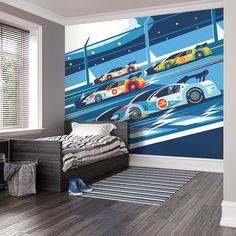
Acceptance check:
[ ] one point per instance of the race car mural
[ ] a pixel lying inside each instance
(171, 96)
(118, 72)
(114, 89)
(180, 58)
(161, 74)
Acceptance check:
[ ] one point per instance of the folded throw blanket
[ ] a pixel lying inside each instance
(27, 178)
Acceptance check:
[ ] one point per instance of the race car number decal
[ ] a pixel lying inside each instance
(162, 103)
(114, 91)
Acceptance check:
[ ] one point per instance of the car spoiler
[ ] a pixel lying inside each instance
(198, 76)
(135, 75)
(131, 63)
(201, 46)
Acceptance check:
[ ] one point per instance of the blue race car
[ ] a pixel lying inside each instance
(167, 97)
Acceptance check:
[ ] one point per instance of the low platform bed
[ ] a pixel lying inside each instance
(50, 176)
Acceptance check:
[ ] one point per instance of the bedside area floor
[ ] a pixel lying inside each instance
(193, 210)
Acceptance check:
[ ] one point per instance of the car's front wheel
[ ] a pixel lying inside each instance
(195, 96)
(135, 113)
(98, 98)
(168, 66)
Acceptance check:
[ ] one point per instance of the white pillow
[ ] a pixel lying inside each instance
(82, 130)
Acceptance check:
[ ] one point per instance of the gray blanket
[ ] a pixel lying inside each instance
(78, 151)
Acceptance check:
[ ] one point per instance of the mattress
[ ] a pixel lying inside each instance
(79, 151)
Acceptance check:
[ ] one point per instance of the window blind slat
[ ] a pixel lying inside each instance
(14, 77)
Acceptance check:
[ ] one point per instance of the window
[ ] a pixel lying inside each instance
(172, 56)
(162, 93)
(121, 83)
(189, 52)
(117, 69)
(144, 96)
(167, 91)
(20, 76)
(173, 89)
(14, 79)
(114, 85)
(101, 88)
(185, 53)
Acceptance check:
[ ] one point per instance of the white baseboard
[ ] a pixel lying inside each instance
(228, 218)
(196, 164)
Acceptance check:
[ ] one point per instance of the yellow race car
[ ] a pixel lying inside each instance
(183, 57)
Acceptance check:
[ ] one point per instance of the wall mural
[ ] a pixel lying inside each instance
(162, 74)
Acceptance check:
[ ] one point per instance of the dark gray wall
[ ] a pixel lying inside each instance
(53, 49)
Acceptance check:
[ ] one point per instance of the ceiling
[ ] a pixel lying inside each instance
(73, 8)
(78, 11)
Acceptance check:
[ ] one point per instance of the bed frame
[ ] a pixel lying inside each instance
(49, 154)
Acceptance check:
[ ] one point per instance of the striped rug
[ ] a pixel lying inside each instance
(141, 185)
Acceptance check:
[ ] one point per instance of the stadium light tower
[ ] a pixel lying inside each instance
(214, 25)
(147, 43)
(86, 61)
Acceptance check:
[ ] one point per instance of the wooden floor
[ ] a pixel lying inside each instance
(194, 210)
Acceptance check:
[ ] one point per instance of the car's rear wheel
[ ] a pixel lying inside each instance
(135, 113)
(132, 87)
(130, 70)
(199, 55)
(98, 98)
(168, 66)
(195, 96)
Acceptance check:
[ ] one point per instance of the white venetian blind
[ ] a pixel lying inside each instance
(14, 77)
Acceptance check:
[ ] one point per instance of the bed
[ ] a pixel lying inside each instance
(50, 176)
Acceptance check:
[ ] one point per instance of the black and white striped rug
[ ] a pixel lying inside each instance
(141, 185)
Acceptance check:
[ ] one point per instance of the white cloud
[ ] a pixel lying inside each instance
(77, 35)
